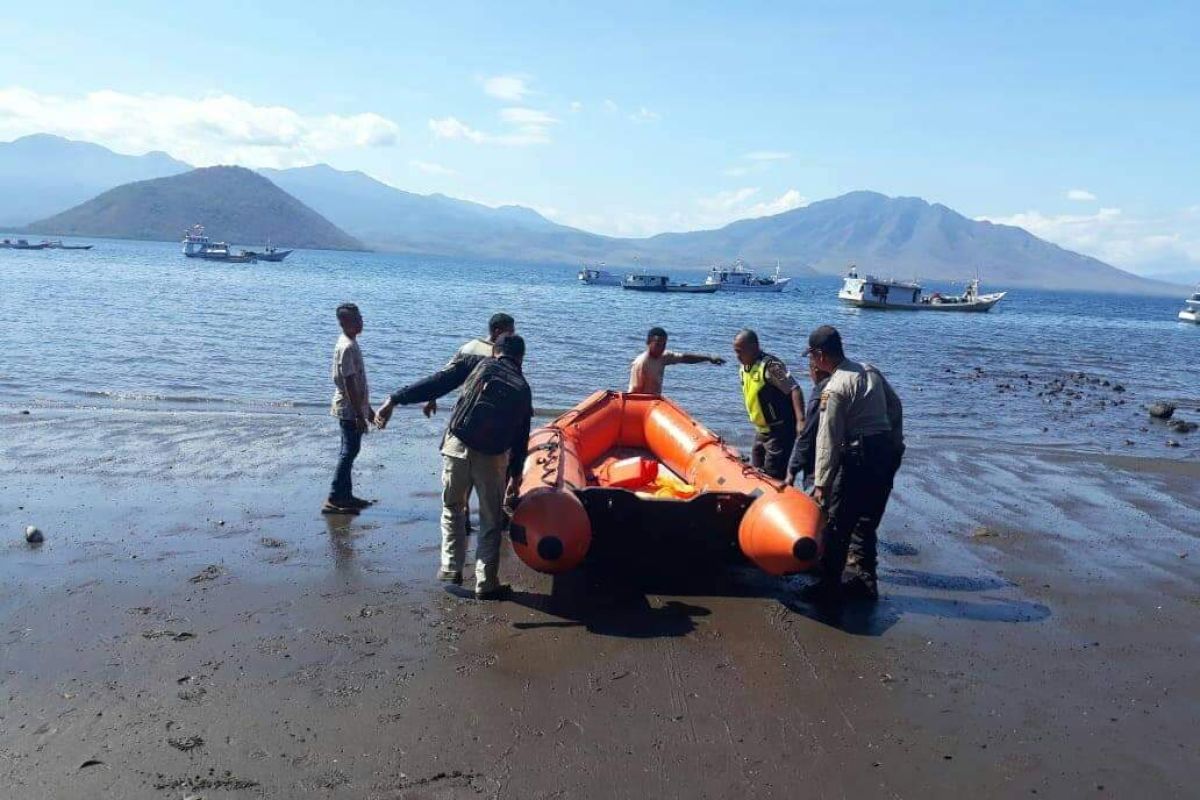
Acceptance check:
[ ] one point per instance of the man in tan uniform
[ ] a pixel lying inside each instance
(860, 441)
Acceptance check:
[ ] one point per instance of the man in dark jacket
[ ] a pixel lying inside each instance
(484, 449)
(804, 454)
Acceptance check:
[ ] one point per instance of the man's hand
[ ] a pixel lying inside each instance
(717, 360)
(511, 493)
(429, 409)
(360, 422)
(384, 414)
(800, 426)
(819, 495)
(790, 480)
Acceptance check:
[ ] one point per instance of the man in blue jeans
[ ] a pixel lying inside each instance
(352, 406)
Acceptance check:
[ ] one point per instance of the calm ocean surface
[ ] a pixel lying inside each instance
(134, 325)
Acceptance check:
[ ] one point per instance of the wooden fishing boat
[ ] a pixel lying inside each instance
(619, 468)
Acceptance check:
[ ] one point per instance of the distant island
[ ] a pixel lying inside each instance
(235, 204)
(322, 207)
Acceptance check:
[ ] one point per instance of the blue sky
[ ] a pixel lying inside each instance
(1080, 123)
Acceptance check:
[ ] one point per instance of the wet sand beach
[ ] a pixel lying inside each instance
(192, 627)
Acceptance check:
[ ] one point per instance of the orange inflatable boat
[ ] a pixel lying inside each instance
(627, 465)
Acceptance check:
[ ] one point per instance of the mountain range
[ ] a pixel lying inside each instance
(234, 203)
(42, 174)
(898, 236)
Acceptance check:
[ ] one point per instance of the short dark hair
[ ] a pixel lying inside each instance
(511, 345)
(501, 322)
(826, 339)
(656, 331)
(347, 310)
(747, 334)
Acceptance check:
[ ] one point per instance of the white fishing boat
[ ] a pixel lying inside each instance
(595, 276)
(196, 244)
(740, 279)
(871, 292)
(1191, 308)
(661, 283)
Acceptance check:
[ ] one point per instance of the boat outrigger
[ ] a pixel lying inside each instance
(634, 470)
(1191, 308)
(871, 292)
(740, 279)
(661, 283)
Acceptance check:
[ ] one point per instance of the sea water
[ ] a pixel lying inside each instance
(131, 329)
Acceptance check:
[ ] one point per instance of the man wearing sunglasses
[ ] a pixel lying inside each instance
(860, 441)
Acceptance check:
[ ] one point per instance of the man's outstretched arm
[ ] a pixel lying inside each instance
(697, 358)
(437, 385)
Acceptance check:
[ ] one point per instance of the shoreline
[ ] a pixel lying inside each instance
(315, 658)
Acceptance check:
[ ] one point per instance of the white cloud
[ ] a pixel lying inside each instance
(785, 202)
(526, 116)
(1140, 244)
(513, 88)
(1081, 194)
(611, 107)
(454, 128)
(726, 201)
(644, 114)
(576, 106)
(728, 206)
(735, 172)
(526, 126)
(767, 155)
(431, 168)
(212, 129)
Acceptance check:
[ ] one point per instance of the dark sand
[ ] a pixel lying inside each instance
(205, 633)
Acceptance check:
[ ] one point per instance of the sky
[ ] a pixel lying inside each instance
(1079, 122)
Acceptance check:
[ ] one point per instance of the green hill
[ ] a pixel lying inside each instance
(234, 204)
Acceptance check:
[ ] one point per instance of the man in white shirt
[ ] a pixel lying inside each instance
(352, 406)
(646, 371)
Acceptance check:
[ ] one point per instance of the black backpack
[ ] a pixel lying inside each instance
(493, 406)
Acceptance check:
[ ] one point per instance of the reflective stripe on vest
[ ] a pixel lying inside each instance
(754, 380)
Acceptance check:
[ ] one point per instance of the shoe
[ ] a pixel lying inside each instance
(450, 576)
(330, 507)
(823, 591)
(861, 588)
(358, 502)
(500, 591)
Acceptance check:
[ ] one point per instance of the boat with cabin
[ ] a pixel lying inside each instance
(868, 291)
(22, 244)
(196, 244)
(738, 278)
(597, 276)
(270, 253)
(661, 283)
(1191, 308)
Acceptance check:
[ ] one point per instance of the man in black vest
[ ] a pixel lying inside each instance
(484, 449)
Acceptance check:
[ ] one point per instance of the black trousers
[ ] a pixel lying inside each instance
(771, 452)
(855, 504)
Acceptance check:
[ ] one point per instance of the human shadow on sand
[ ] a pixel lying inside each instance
(616, 599)
(608, 604)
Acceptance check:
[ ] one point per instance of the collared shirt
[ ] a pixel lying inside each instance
(776, 373)
(646, 373)
(857, 401)
(347, 361)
